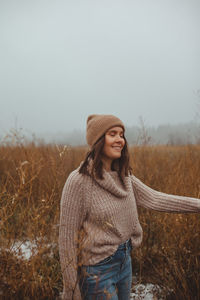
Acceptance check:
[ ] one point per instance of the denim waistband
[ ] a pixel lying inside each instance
(125, 244)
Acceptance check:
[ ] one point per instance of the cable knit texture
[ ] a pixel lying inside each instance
(99, 214)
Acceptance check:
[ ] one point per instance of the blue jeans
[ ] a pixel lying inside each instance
(110, 279)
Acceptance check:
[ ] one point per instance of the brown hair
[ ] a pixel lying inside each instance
(121, 165)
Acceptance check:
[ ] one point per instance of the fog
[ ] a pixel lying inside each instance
(63, 60)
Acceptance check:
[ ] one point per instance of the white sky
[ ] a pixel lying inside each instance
(63, 60)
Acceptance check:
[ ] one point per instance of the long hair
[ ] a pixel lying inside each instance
(121, 165)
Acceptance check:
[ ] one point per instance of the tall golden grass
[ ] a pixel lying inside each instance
(32, 177)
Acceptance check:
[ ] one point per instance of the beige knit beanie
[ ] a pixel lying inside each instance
(97, 125)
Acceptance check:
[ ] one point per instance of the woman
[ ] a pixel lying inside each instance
(99, 221)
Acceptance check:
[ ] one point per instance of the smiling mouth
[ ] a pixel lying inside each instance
(118, 148)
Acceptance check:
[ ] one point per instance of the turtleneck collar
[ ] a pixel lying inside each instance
(111, 182)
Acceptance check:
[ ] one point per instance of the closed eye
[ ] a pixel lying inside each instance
(113, 133)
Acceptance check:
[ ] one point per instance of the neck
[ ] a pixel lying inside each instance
(107, 164)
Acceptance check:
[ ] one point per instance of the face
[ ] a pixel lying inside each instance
(114, 143)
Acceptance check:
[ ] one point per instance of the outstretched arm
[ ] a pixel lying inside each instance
(71, 217)
(149, 198)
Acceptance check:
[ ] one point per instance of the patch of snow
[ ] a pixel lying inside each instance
(148, 291)
(24, 249)
(27, 249)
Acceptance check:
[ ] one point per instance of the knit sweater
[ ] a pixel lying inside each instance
(97, 215)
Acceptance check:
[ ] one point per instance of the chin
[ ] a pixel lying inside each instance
(116, 156)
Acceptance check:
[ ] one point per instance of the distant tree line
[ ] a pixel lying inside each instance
(180, 134)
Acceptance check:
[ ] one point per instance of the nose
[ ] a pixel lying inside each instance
(119, 138)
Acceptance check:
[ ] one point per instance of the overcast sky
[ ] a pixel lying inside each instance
(61, 60)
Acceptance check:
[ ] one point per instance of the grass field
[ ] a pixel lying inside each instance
(31, 182)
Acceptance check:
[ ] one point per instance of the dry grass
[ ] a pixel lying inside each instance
(32, 178)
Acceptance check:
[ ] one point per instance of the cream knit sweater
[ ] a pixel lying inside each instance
(97, 215)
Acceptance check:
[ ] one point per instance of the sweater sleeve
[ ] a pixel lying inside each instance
(72, 213)
(149, 198)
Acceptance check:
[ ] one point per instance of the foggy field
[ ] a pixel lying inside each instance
(31, 182)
